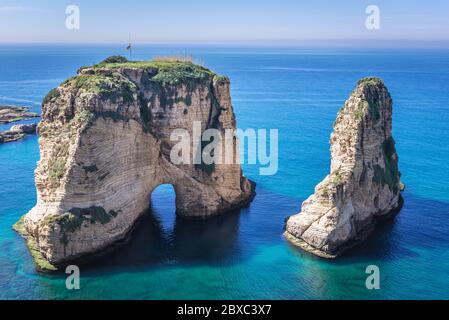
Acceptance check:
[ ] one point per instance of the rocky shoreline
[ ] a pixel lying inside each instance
(9, 114)
(17, 132)
(362, 236)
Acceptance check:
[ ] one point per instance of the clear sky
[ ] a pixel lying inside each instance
(184, 21)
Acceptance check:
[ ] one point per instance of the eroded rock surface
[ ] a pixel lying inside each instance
(11, 114)
(364, 180)
(17, 132)
(105, 143)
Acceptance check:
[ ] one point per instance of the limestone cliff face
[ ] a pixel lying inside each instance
(105, 144)
(364, 181)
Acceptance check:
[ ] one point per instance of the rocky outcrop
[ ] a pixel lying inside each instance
(364, 182)
(11, 114)
(25, 128)
(105, 146)
(17, 132)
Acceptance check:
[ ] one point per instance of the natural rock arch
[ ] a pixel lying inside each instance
(165, 195)
(105, 146)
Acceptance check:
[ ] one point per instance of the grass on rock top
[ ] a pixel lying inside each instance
(168, 70)
(108, 86)
(106, 79)
(370, 81)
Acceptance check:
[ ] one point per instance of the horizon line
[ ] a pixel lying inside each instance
(369, 43)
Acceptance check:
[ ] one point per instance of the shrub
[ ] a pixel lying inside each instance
(338, 179)
(56, 164)
(370, 81)
(57, 169)
(53, 94)
(391, 174)
(115, 59)
(84, 117)
(73, 220)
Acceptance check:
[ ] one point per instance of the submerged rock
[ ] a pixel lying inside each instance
(364, 181)
(17, 132)
(105, 146)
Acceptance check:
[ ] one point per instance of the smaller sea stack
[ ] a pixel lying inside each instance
(364, 181)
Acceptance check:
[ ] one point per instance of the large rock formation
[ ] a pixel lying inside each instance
(364, 181)
(105, 146)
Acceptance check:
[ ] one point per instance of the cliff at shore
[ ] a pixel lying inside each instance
(364, 180)
(105, 146)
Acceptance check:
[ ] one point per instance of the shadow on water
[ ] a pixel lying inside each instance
(161, 237)
(417, 226)
(212, 240)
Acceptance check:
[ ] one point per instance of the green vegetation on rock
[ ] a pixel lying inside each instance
(108, 79)
(19, 227)
(115, 59)
(370, 81)
(109, 86)
(338, 179)
(53, 94)
(73, 220)
(359, 112)
(145, 113)
(325, 191)
(84, 117)
(373, 107)
(41, 263)
(391, 173)
(220, 78)
(56, 168)
(56, 164)
(166, 71)
(370, 87)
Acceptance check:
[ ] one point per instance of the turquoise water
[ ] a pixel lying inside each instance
(243, 255)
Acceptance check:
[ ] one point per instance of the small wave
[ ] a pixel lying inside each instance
(14, 100)
(300, 69)
(38, 81)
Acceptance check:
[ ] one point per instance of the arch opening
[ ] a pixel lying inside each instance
(163, 205)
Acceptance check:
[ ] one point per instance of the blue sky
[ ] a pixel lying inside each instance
(176, 21)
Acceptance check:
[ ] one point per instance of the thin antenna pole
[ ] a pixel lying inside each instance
(130, 48)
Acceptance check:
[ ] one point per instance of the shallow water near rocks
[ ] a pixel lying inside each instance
(242, 255)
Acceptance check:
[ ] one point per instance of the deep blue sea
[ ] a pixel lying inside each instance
(243, 255)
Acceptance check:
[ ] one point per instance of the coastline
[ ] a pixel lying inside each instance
(362, 235)
(41, 263)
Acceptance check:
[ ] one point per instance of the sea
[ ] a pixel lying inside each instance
(243, 255)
